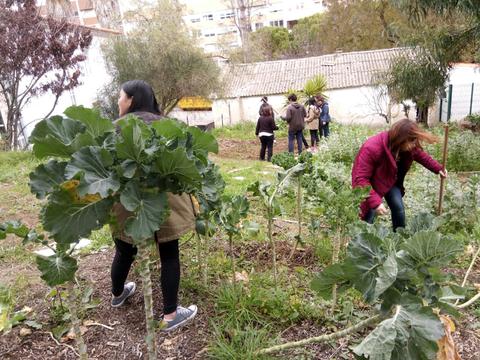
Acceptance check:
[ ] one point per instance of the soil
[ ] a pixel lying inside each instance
(126, 340)
(247, 149)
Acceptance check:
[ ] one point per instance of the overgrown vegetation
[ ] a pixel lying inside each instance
(250, 311)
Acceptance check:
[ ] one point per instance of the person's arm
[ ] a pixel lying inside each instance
(423, 158)
(258, 127)
(288, 115)
(325, 115)
(363, 170)
(274, 126)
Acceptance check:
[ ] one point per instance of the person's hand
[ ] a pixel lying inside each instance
(381, 210)
(443, 173)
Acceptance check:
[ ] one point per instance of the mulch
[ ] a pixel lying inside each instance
(126, 341)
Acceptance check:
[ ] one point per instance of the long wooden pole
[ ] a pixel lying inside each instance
(444, 163)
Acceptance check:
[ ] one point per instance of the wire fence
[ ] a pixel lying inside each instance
(460, 101)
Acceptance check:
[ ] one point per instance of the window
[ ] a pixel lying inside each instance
(209, 34)
(278, 23)
(196, 33)
(195, 20)
(208, 17)
(258, 26)
(228, 15)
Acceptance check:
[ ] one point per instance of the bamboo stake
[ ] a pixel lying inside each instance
(322, 338)
(444, 164)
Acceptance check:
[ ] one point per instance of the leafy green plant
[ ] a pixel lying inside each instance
(210, 202)
(268, 195)
(233, 210)
(402, 272)
(284, 159)
(91, 168)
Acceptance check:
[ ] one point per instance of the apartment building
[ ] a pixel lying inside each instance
(92, 13)
(213, 23)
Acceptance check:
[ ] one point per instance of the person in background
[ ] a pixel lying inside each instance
(382, 163)
(313, 112)
(137, 98)
(324, 117)
(295, 118)
(265, 105)
(265, 128)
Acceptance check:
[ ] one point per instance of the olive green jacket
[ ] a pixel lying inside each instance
(182, 210)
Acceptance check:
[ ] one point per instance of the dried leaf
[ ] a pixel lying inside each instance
(243, 276)
(25, 332)
(446, 346)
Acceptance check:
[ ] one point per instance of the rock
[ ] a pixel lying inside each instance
(25, 332)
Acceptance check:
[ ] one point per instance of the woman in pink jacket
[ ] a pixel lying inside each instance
(382, 163)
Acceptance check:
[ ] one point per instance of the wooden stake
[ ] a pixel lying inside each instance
(444, 164)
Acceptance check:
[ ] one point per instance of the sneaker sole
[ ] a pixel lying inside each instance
(181, 323)
(129, 295)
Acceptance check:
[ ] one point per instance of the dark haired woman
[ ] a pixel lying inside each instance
(382, 163)
(313, 112)
(137, 98)
(265, 128)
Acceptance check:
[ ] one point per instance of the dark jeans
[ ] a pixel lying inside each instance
(324, 129)
(170, 272)
(304, 141)
(395, 203)
(266, 144)
(292, 135)
(314, 137)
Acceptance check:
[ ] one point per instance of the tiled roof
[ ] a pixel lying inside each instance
(341, 70)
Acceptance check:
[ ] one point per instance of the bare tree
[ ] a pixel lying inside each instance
(243, 21)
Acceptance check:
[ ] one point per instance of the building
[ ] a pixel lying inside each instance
(352, 92)
(213, 22)
(92, 13)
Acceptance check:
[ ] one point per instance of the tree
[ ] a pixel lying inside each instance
(349, 25)
(37, 55)
(448, 29)
(161, 51)
(270, 43)
(418, 77)
(243, 22)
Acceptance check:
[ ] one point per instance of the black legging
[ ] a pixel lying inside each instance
(170, 272)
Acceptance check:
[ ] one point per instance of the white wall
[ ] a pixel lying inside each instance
(347, 106)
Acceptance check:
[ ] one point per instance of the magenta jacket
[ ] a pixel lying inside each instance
(375, 166)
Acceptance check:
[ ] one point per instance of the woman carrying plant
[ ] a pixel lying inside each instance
(265, 128)
(311, 120)
(382, 163)
(137, 98)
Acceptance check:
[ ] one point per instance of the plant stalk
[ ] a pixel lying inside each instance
(299, 214)
(336, 251)
(323, 338)
(144, 256)
(206, 252)
(272, 244)
(72, 307)
(230, 241)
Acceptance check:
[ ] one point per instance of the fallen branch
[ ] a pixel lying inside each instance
(322, 338)
(92, 323)
(469, 302)
(60, 344)
(469, 269)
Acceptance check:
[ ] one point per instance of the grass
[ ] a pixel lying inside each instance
(250, 315)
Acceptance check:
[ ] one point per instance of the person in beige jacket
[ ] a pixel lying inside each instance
(137, 98)
(313, 112)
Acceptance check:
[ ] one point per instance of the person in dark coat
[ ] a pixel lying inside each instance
(137, 98)
(265, 128)
(324, 124)
(382, 163)
(295, 118)
(265, 105)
